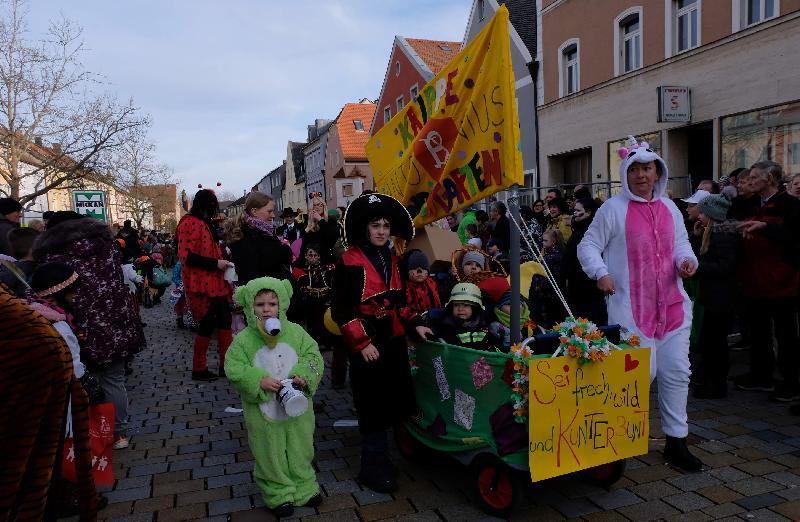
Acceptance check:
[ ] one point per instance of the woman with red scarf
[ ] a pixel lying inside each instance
(367, 301)
(207, 292)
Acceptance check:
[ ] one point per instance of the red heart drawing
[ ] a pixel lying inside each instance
(630, 364)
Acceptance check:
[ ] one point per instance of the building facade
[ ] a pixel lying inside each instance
(272, 184)
(294, 189)
(314, 158)
(710, 84)
(412, 64)
(347, 171)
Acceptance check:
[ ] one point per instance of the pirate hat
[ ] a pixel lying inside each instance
(367, 207)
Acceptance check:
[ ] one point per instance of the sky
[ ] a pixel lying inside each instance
(228, 83)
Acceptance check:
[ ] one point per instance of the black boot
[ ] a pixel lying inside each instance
(377, 473)
(285, 510)
(677, 454)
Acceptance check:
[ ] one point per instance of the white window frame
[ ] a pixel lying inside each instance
(619, 41)
(562, 66)
(671, 14)
(413, 92)
(739, 12)
(387, 114)
(400, 103)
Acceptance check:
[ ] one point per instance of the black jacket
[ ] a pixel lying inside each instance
(716, 272)
(260, 255)
(583, 296)
(6, 226)
(326, 238)
(502, 233)
(290, 235)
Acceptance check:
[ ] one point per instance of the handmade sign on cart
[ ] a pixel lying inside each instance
(584, 414)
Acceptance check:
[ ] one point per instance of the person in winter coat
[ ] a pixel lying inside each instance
(716, 276)
(255, 250)
(770, 280)
(290, 230)
(321, 230)
(258, 365)
(101, 303)
(37, 382)
(501, 233)
(422, 294)
(463, 323)
(638, 251)
(10, 211)
(368, 299)
(546, 308)
(559, 218)
(206, 291)
(584, 298)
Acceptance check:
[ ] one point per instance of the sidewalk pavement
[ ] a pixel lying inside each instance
(189, 460)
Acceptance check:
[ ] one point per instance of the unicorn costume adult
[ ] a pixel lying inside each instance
(642, 244)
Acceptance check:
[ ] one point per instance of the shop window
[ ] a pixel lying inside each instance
(569, 61)
(772, 133)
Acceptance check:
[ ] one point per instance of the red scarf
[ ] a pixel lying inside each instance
(422, 297)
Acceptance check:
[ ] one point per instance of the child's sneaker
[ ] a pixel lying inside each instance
(284, 510)
(121, 443)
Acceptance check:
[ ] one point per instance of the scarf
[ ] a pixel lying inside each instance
(422, 297)
(266, 227)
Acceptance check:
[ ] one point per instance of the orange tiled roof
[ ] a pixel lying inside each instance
(352, 140)
(435, 53)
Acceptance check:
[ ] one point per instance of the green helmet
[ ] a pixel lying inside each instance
(466, 293)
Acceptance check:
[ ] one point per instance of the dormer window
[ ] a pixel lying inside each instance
(359, 125)
(444, 47)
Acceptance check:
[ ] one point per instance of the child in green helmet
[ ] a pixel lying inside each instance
(463, 323)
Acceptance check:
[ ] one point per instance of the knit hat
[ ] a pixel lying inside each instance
(418, 259)
(475, 256)
(715, 206)
(9, 205)
(51, 278)
(466, 293)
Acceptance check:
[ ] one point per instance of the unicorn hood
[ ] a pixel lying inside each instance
(641, 153)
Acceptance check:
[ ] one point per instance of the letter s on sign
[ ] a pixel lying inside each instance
(541, 368)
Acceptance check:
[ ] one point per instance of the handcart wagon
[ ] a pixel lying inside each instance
(473, 406)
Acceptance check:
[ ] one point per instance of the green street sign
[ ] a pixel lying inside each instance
(90, 203)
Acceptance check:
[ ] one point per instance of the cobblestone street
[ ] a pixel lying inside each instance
(189, 460)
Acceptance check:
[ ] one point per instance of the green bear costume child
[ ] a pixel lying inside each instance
(283, 446)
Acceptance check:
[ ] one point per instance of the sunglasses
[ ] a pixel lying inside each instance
(315, 195)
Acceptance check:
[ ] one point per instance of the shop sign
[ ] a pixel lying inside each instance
(91, 203)
(674, 104)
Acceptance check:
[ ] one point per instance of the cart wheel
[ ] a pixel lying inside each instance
(605, 475)
(408, 445)
(497, 487)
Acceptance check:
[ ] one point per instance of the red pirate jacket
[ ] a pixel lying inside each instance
(365, 309)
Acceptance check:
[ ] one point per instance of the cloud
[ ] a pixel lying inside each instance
(229, 83)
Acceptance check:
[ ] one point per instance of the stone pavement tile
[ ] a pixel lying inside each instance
(128, 494)
(200, 497)
(326, 477)
(754, 486)
(691, 516)
(336, 503)
(180, 514)
(461, 512)
(693, 481)
(655, 489)
(784, 477)
(229, 480)
(714, 446)
(538, 513)
(789, 459)
(759, 501)
(116, 510)
(606, 516)
(346, 473)
(210, 471)
(383, 510)
(792, 493)
(650, 510)
(719, 494)
(574, 508)
(615, 499)
(189, 464)
(729, 474)
(179, 487)
(769, 435)
(730, 430)
(154, 504)
(720, 460)
(243, 490)
(788, 509)
(135, 482)
(727, 509)
(367, 497)
(172, 476)
(765, 515)
(230, 505)
(650, 473)
(345, 515)
(434, 499)
(422, 516)
(688, 501)
(760, 467)
(259, 514)
(345, 486)
(148, 469)
(136, 517)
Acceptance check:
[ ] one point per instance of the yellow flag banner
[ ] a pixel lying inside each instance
(584, 415)
(458, 141)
